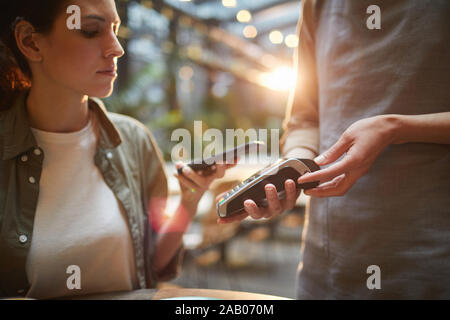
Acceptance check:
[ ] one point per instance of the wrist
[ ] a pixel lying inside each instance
(393, 124)
(189, 205)
(300, 152)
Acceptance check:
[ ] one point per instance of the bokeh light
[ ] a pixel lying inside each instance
(281, 79)
(244, 16)
(185, 73)
(250, 32)
(276, 37)
(291, 41)
(229, 3)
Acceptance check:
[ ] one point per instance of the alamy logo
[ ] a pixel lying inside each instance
(374, 281)
(216, 141)
(74, 20)
(374, 20)
(74, 280)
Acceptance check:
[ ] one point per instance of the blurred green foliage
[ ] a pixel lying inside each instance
(227, 112)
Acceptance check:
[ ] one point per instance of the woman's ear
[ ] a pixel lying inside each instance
(26, 40)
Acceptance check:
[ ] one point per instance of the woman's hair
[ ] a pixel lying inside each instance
(15, 73)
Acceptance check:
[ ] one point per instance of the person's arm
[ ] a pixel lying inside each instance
(170, 235)
(166, 230)
(301, 137)
(363, 141)
(301, 125)
(427, 128)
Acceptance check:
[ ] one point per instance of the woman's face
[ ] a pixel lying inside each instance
(84, 60)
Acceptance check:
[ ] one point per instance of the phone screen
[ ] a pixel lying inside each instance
(231, 155)
(228, 156)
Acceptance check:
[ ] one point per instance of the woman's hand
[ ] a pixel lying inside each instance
(275, 205)
(194, 184)
(361, 143)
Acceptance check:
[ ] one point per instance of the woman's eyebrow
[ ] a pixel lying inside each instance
(96, 17)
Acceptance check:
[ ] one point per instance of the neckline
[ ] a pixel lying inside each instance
(64, 137)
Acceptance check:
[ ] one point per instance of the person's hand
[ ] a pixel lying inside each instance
(193, 184)
(361, 143)
(275, 205)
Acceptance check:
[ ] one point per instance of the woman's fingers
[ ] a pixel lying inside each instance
(219, 170)
(199, 181)
(335, 152)
(220, 196)
(230, 165)
(186, 183)
(199, 178)
(326, 188)
(323, 175)
(236, 217)
(338, 186)
(329, 156)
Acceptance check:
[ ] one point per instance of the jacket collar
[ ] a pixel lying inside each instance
(16, 136)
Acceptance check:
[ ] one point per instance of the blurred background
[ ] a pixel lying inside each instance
(227, 63)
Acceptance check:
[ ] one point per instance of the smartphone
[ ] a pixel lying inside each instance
(208, 165)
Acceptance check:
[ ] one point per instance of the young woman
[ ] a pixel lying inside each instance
(82, 190)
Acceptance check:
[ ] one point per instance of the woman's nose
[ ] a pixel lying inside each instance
(114, 48)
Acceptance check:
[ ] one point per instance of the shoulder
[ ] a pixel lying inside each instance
(137, 139)
(130, 128)
(135, 134)
(128, 125)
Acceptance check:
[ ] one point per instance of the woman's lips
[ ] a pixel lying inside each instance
(109, 73)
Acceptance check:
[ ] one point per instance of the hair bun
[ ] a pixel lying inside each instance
(12, 80)
(14, 68)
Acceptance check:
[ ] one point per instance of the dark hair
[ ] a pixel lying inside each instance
(15, 73)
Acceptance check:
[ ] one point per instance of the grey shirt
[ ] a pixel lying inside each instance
(397, 216)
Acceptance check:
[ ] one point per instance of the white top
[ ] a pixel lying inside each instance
(78, 222)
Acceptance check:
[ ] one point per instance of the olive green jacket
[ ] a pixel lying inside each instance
(131, 165)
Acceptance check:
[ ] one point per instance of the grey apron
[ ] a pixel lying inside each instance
(397, 216)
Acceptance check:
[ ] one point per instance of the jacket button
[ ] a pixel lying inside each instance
(31, 179)
(23, 238)
(37, 152)
(24, 158)
(109, 155)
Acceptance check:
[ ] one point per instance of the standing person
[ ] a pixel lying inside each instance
(375, 104)
(81, 189)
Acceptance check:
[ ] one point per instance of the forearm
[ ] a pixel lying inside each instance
(170, 237)
(301, 124)
(425, 128)
(301, 143)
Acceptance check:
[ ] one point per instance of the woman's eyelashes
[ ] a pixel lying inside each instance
(89, 33)
(90, 30)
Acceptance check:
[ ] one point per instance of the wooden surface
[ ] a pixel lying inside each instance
(154, 294)
(218, 294)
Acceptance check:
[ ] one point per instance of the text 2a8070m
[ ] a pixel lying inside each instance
(246, 309)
